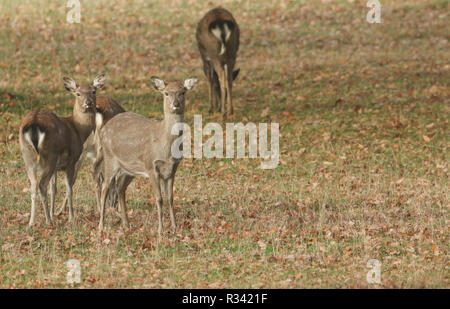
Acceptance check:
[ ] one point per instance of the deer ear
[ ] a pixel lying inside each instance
(158, 83)
(99, 81)
(235, 74)
(69, 84)
(190, 83)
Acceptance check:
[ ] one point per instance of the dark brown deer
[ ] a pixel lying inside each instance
(218, 41)
(50, 143)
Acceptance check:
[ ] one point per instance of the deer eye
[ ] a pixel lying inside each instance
(166, 94)
(78, 94)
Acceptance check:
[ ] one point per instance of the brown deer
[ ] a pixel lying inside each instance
(218, 41)
(135, 146)
(50, 143)
(106, 109)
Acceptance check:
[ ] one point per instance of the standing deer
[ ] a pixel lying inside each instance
(106, 108)
(218, 41)
(50, 143)
(135, 146)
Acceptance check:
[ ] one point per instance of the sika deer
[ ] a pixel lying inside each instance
(106, 108)
(132, 146)
(50, 143)
(218, 41)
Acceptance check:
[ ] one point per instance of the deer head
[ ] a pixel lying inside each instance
(173, 93)
(85, 95)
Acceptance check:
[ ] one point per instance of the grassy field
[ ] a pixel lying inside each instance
(364, 123)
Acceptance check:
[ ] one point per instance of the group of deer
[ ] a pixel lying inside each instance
(123, 144)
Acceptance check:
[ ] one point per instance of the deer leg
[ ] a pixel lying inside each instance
(209, 71)
(52, 195)
(43, 186)
(63, 206)
(107, 182)
(70, 180)
(168, 190)
(98, 176)
(223, 93)
(121, 185)
(77, 168)
(216, 92)
(155, 183)
(229, 81)
(99, 181)
(34, 190)
(113, 197)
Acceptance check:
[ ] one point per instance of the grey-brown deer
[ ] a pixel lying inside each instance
(106, 108)
(218, 41)
(134, 146)
(50, 143)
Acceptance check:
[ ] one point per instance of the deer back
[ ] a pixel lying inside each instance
(132, 141)
(218, 36)
(46, 135)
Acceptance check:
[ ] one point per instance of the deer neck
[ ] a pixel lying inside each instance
(83, 122)
(169, 121)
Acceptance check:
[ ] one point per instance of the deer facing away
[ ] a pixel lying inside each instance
(218, 42)
(50, 143)
(134, 146)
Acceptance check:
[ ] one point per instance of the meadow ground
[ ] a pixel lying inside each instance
(363, 112)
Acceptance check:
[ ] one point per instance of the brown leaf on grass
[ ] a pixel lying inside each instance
(265, 112)
(435, 249)
(338, 102)
(147, 243)
(426, 139)
(434, 89)
(262, 244)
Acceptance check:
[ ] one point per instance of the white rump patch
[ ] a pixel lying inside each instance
(227, 32)
(41, 136)
(27, 136)
(217, 33)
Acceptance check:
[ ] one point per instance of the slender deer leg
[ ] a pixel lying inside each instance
(209, 71)
(70, 179)
(112, 199)
(122, 184)
(63, 206)
(222, 82)
(77, 168)
(99, 182)
(155, 183)
(34, 191)
(228, 85)
(52, 195)
(216, 92)
(168, 188)
(43, 186)
(107, 182)
(98, 174)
